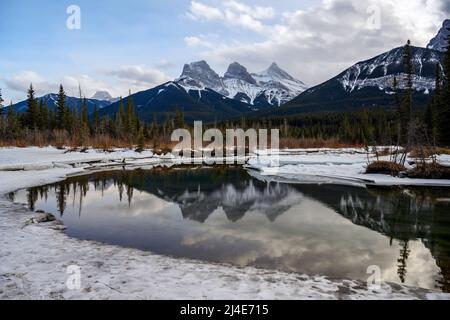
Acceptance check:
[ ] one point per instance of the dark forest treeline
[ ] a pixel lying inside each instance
(65, 126)
(403, 124)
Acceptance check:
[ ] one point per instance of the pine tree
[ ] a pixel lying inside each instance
(367, 129)
(61, 110)
(1, 103)
(154, 129)
(345, 129)
(2, 127)
(120, 120)
(32, 110)
(396, 96)
(179, 119)
(444, 112)
(40, 118)
(84, 122)
(141, 139)
(131, 120)
(433, 107)
(84, 115)
(11, 123)
(95, 120)
(406, 105)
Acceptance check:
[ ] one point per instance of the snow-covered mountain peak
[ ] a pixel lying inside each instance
(439, 42)
(238, 71)
(102, 96)
(202, 72)
(272, 87)
(276, 72)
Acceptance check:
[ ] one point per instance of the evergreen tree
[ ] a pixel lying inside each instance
(2, 127)
(61, 110)
(120, 120)
(406, 109)
(179, 119)
(84, 115)
(32, 115)
(95, 120)
(141, 139)
(433, 107)
(131, 119)
(84, 122)
(1, 103)
(444, 112)
(367, 129)
(382, 134)
(397, 103)
(11, 123)
(345, 129)
(42, 116)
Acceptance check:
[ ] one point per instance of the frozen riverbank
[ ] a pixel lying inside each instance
(34, 258)
(335, 166)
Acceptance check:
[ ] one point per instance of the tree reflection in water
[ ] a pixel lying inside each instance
(400, 214)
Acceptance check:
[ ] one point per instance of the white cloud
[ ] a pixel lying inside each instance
(135, 78)
(139, 75)
(319, 42)
(194, 42)
(233, 13)
(21, 82)
(255, 12)
(202, 11)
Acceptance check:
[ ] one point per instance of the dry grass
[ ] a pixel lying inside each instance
(384, 152)
(297, 143)
(162, 146)
(439, 150)
(385, 167)
(60, 139)
(429, 171)
(102, 142)
(428, 152)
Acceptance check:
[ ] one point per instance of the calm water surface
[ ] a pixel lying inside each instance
(233, 216)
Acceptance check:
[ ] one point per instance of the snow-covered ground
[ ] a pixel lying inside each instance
(34, 258)
(339, 166)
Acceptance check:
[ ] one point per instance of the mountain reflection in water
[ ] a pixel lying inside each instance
(226, 215)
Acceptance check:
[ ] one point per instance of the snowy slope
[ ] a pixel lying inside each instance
(439, 42)
(278, 86)
(380, 71)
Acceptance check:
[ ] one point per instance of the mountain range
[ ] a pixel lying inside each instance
(271, 87)
(72, 102)
(203, 104)
(202, 94)
(368, 84)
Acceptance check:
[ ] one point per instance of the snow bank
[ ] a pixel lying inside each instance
(34, 158)
(337, 166)
(35, 257)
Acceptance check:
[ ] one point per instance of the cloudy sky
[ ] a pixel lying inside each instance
(137, 44)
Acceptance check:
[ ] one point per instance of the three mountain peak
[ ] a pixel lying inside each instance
(235, 70)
